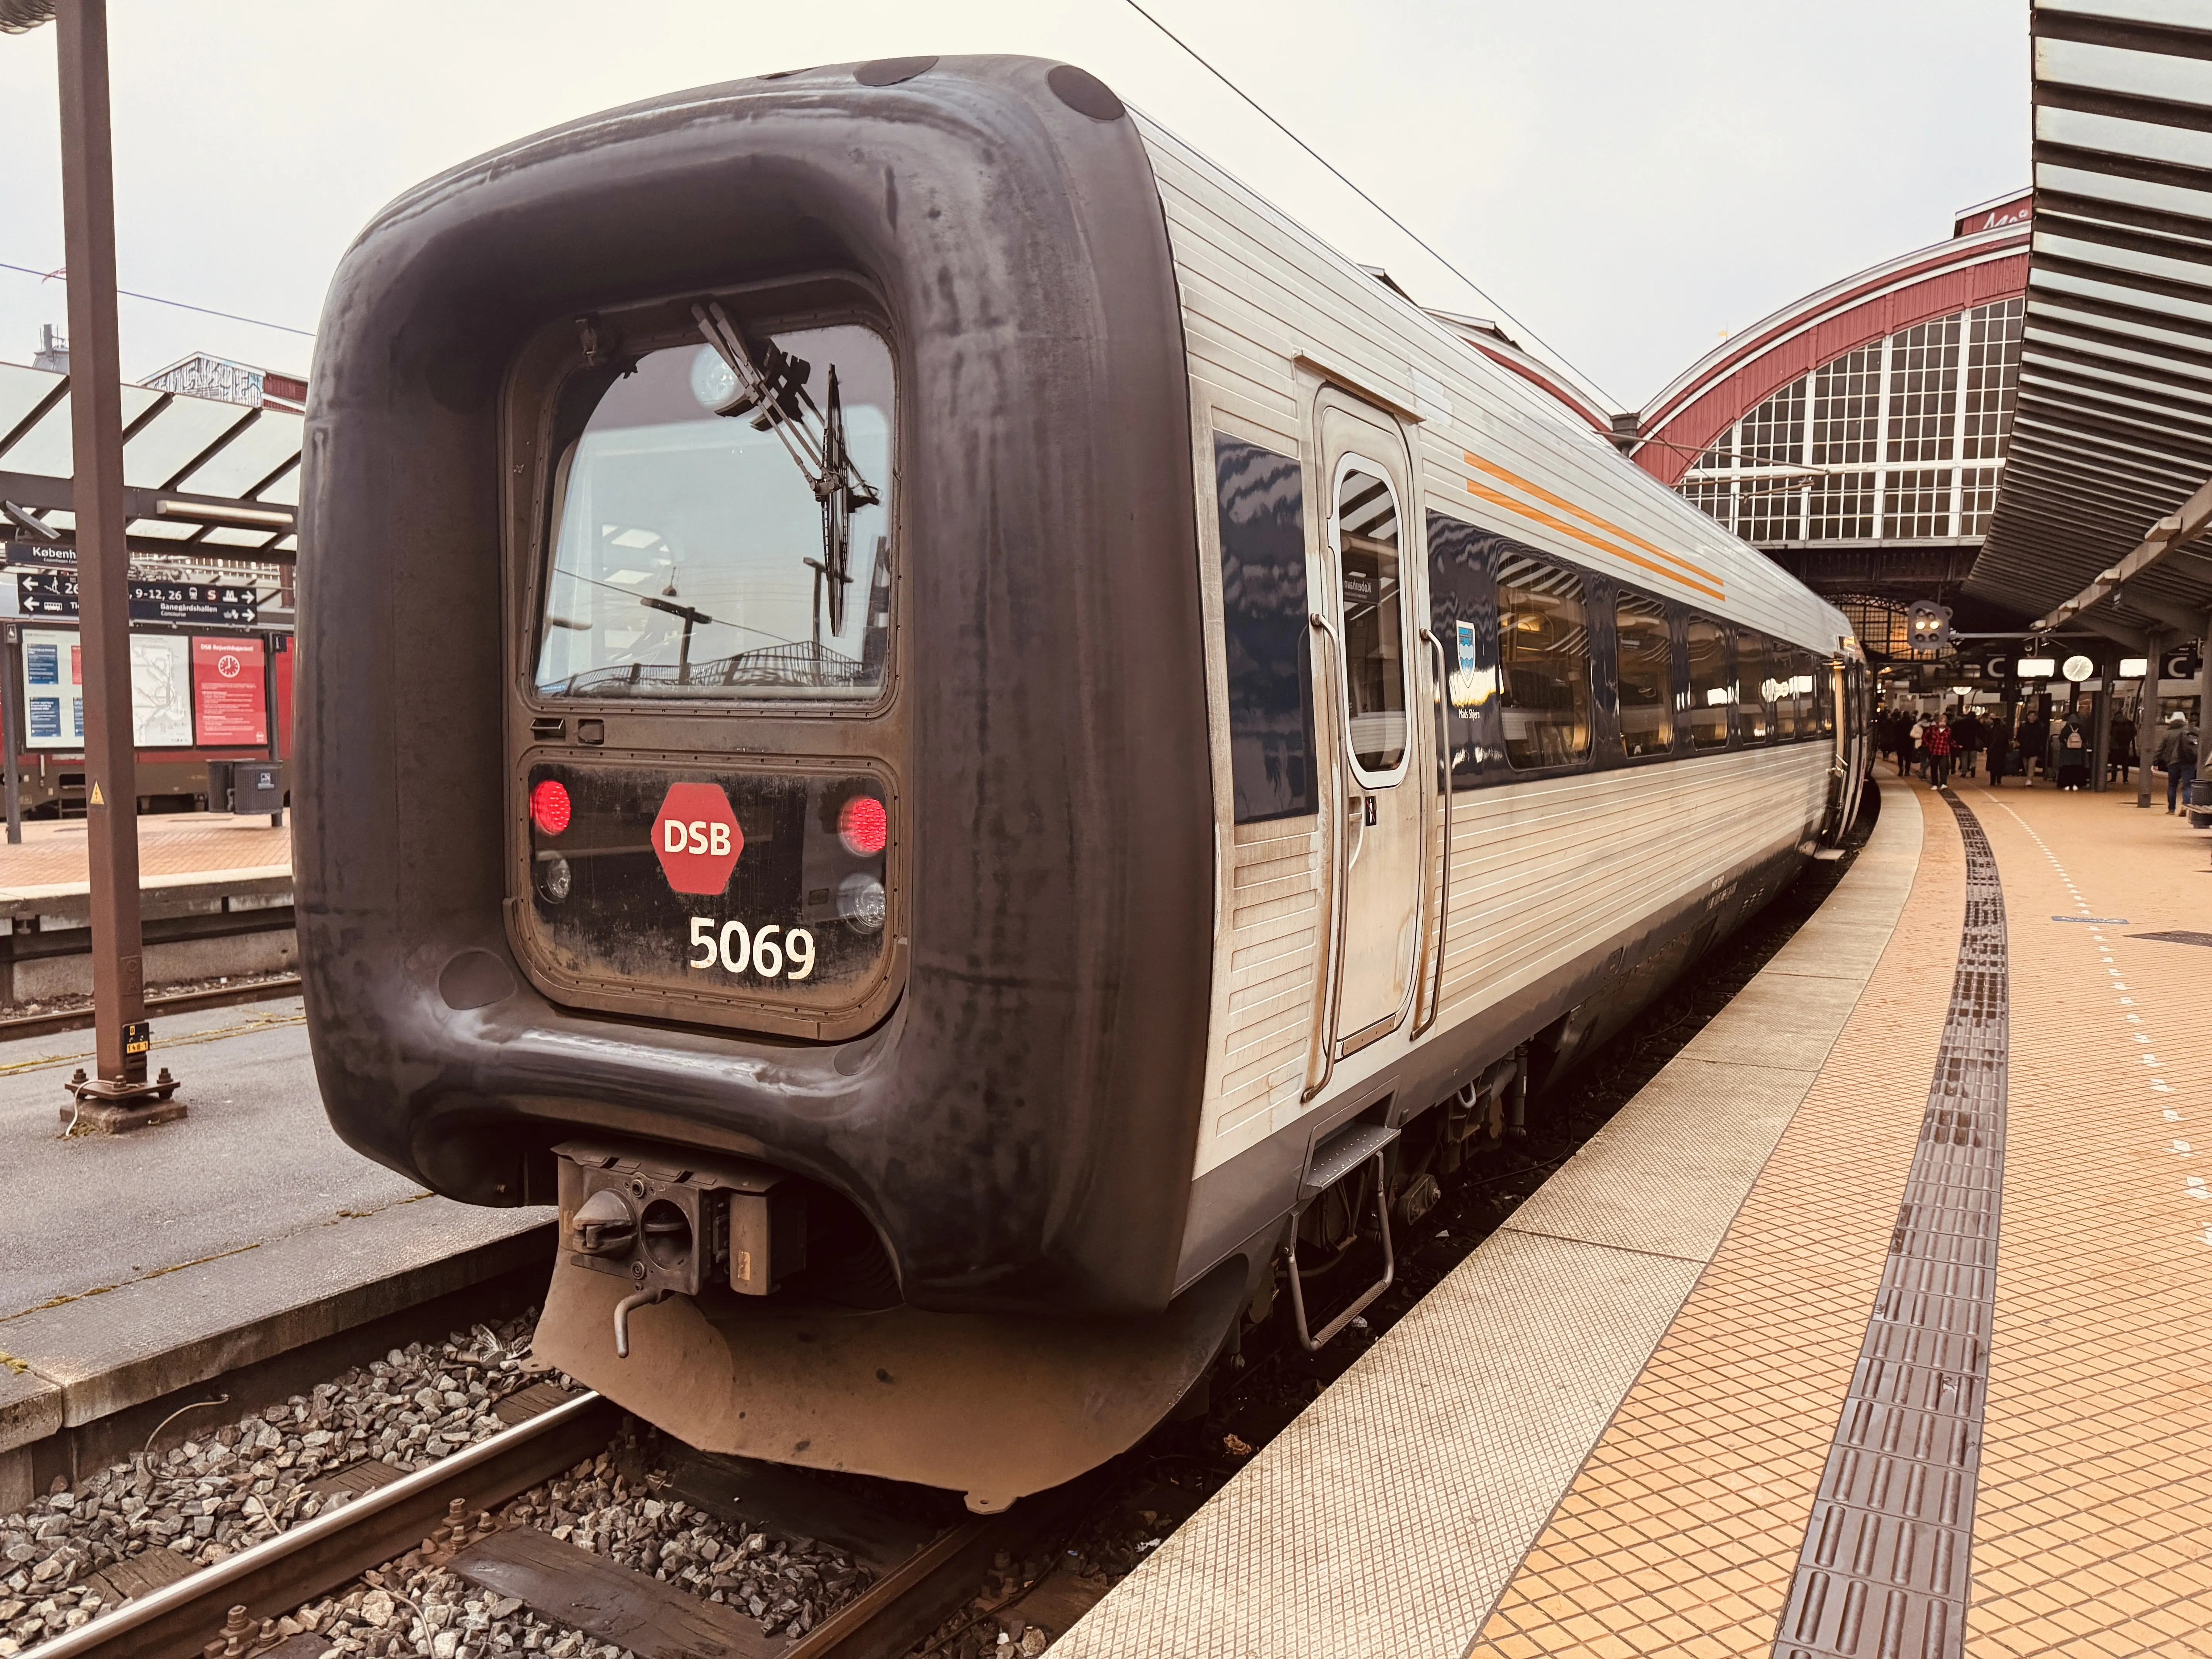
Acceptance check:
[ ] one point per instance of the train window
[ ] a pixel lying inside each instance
(1647, 675)
(1793, 695)
(1753, 685)
(691, 555)
(1374, 620)
(1461, 598)
(1709, 695)
(1263, 614)
(1543, 662)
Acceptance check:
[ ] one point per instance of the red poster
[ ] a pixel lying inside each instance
(280, 646)
(229, 703)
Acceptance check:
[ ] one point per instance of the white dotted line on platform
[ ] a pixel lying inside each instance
(2193, 1185)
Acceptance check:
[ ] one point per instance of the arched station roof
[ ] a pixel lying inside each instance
(1987, 261)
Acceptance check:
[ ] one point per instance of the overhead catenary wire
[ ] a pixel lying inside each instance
(180, 304)
(1418, 240)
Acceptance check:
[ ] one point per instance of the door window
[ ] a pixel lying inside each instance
(1368, 577)
(1647, 675)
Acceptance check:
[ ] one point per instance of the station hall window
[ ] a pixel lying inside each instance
(1261, 499)
(1543, 663)
(1710, 693)
(690, 557)
(1373, 619)
(1647, 675)
(1752, 673)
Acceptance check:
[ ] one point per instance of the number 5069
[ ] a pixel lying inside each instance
(790, 957)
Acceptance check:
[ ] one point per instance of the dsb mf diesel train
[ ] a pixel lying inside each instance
(961, 741)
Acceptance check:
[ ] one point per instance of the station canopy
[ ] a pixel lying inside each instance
(2106, 492)
(204, 478)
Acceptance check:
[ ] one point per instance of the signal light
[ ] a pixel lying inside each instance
(549, 805)
(864, 826)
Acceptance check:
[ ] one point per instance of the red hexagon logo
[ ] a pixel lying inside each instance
(696, 838)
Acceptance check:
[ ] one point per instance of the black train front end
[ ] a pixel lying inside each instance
(957, 1152)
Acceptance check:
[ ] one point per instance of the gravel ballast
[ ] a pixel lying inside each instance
(235, 1485)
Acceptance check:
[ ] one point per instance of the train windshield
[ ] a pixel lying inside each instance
(710, 543)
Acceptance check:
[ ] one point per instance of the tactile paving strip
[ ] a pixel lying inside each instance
(1885, 1567)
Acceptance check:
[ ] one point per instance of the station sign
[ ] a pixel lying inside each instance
(54, 593)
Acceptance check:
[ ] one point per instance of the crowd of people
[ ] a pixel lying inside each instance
(2061, 749)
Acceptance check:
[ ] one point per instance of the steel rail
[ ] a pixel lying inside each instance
(174, 1002)
(274, 1576)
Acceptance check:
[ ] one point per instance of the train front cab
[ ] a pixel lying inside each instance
(755, 788)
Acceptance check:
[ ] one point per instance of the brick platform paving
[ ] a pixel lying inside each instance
(52, 854)
(1682, 1532)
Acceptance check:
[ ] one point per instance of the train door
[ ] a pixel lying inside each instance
(1370, 553)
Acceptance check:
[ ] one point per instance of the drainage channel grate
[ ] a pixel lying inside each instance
(2177, 936)
(1884, 1570)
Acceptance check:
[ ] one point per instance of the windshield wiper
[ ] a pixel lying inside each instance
(773, 390)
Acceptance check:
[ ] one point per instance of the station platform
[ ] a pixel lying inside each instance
(1877, 1324)
(141, 1266)
(172, 847)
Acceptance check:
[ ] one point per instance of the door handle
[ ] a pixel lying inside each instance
(1326, 629)
(1443, 884)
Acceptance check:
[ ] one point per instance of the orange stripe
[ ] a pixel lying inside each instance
(1583, 535)
(1586, 516)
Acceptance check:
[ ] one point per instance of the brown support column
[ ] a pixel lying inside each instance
(2146, 715)
(2204, 701)
(118, 1096)
(2100, 758)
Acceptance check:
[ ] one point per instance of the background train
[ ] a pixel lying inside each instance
(960, 739)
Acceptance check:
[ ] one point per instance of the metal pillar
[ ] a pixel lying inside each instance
(2100, 756)
(269, 713)
(11, 728)
(118, 1095)
(2147, 714)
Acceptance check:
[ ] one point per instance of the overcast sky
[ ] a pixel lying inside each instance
(1630, 180)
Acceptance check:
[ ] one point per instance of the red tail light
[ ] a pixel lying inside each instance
(864, 826)
(548, 806)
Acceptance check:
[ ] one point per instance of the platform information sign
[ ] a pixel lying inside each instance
(230, 701)
(161, 690)
(53, 690)
(54, 593)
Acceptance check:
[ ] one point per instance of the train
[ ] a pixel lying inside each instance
(983, 759)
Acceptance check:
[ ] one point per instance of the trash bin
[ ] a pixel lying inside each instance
(2200, 803)
(246, 787)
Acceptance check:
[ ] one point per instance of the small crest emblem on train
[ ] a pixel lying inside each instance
(696, 838)
(1466, 648)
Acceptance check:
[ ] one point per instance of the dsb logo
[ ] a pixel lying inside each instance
(696, 836)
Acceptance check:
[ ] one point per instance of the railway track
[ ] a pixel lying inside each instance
(441, 1517)
(159, 1003)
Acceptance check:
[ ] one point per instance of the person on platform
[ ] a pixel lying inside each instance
(2121, 759)
(1935, 738)
(1919, 741)
(1970, 738)
(2034, 748)
(1901, 739)
(2176, 758)
(2073, 754)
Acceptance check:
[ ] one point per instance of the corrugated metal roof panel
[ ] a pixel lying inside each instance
(2113, 432)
